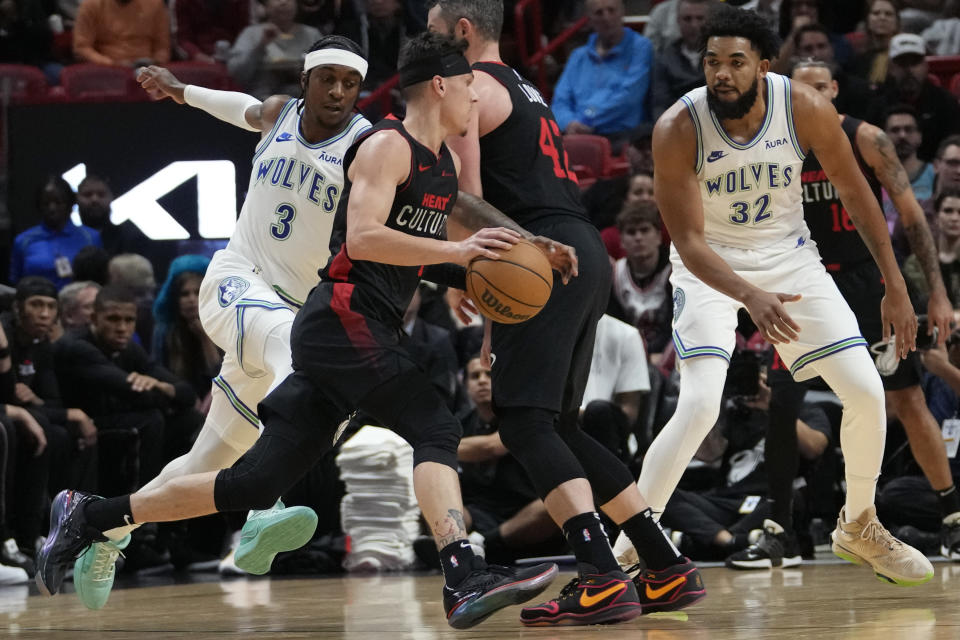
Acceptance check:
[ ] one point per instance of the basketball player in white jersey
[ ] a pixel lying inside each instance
(255, 285)
(728, 160)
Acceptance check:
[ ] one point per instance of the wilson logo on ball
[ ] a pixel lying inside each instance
(497, 307)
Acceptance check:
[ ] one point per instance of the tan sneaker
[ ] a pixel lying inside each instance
(867, 541)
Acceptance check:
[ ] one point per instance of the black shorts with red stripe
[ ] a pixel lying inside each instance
(345, 361)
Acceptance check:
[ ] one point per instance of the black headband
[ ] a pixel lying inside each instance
(446, 65)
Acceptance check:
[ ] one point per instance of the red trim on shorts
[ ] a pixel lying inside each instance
(778, 362)
(341, 265)
(354, 323)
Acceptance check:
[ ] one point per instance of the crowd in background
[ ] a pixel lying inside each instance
(105, 374)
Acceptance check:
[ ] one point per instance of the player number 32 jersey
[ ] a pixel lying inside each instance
(751, 193)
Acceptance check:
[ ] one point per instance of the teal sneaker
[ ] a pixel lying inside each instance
(94, 570)
(267, 533)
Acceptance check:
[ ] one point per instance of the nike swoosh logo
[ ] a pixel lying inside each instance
(653, 594)
(425, 167)
(586, 600)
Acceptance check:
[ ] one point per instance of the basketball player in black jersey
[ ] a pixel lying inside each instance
(848, 260)
(400, 192)
(513, 157)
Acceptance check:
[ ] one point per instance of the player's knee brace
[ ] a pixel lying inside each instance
(531, 436)
(412, 408)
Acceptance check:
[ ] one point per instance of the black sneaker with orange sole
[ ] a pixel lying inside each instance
(669, 589)
(604, 598)
(490, 588)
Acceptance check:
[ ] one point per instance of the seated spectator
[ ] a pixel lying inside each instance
(605, 84)
(768, 9)
(327, 15)
(797, 15)
(114, 380)
(639, 188)
(76, 305)
(678, 69)
(135, 274)
(617, 383)
(48, 249)
(947, 206)
(122, 33)
(907, 83)
(25, 36)
(642, 294)
(946, 166)
(662, 26)
(70, 433)
(909, 501)
(431, 347)
(91, 263)
(882, 24)
(267, 58)
(380, 31)
(203, 23)
(93, 202)
(814, 41)
(902, 126)
(179, 342)
(943, 36)
(24, 469)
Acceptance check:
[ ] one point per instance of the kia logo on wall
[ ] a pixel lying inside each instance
(216, 199)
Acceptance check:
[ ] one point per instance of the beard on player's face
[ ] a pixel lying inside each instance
(733, 109)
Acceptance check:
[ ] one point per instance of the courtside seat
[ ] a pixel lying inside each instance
(589, 152)
(99, 83)
(22, 82)
(944, 67)
(202, 74)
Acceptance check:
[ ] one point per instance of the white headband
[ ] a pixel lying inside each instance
(335, 56)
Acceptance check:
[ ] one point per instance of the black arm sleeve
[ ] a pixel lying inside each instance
(448, 275)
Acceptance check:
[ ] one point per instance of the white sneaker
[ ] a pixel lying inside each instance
(865, 540)
(13, 575)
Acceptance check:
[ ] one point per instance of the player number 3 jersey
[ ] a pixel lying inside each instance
(752, 195)
(291, 201)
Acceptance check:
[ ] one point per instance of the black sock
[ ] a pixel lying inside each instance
(590, 545)
(109, 513)
(949, 500)
(650, 541)
(457, 560)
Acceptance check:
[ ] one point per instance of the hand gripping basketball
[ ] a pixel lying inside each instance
(514, 288)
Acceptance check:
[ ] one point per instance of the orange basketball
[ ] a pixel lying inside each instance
(515, 287)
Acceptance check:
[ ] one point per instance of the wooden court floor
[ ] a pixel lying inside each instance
(822, 601)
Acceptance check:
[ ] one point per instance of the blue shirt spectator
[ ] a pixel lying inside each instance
(604, 86)
(48, 249)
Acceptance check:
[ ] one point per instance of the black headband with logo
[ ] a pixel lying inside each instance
(446, 65)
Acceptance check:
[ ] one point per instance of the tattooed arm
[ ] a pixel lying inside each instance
(471, 214)
(879, 153)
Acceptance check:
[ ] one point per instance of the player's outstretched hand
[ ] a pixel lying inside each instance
(939, 316)
(771, 317)
(897, 312)
(484, 243)
(563, 258)
(159, 83)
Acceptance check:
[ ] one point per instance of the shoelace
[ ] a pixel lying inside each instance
(103, 562)
(570, 588)
(876, 532)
